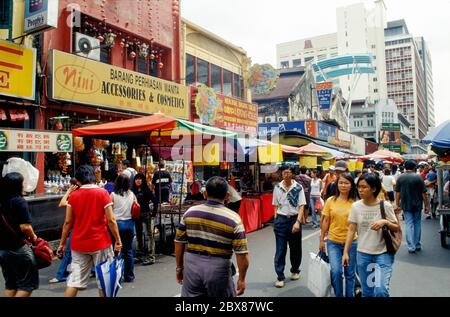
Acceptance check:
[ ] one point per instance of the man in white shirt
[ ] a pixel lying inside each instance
(289, 201)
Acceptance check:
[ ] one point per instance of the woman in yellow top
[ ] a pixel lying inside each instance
(335, 226)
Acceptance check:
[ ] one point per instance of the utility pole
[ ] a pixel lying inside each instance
(311, 87)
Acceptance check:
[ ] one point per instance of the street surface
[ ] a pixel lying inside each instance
(424, 274)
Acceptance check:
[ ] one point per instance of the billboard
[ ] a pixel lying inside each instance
(390, 137)
(324, 95)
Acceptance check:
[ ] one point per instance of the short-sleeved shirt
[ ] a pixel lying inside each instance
(388, 183)
(337, 211)
(411, 187)
(162, 179)
(89, 232)
(16, 212)
(370, 241)
(212, 229)
(281, 199)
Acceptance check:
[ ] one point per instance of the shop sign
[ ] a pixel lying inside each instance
(324, 95)
(35, 141)
(325, 131)
(17, 70)
(40, 15)
(81, 80)
(308, 128)
(342, 139)
(387, 126)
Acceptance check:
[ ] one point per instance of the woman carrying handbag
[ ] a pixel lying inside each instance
(373, 259)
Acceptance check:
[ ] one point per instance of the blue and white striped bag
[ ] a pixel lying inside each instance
(109, 275)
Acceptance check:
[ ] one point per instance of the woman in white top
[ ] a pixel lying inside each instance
(388, 183)
(316, 188)
(123, 199)
(373, 261)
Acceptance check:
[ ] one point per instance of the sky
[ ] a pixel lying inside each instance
(259, 25)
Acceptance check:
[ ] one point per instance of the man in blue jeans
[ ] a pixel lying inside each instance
(411, 196)
(289, 201)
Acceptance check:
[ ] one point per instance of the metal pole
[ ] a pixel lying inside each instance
(311, 90)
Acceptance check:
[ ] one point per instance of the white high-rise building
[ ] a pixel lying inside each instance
(425, 56)
(361, 31)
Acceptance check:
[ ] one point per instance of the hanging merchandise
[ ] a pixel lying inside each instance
(124, 151)
(62, 163)
(106, 165)
(79, 144)
(133, 155)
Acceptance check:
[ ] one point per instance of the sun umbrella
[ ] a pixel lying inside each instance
(384, 155)
(439, 137)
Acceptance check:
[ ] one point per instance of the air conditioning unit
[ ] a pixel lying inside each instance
(270, 119)
(282, 119)
(87, 46)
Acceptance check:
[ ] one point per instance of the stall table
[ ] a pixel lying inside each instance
(250, 212)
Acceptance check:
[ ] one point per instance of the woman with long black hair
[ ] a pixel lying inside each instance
(17, 260)
(144, 196)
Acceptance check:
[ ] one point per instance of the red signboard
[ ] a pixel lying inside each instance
(237, 115)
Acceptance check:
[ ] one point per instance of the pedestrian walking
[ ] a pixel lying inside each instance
(123, 199)
(305, 181)
(335, 229)
(374, 263)
(411, 196)
(388, 182)
(145, 252)
(89, 214)
(316, 186)
(289, 201)
(63, 272)
(204, 244)
(17, 260)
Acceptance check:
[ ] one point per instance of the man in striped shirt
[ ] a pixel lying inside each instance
(204, 244)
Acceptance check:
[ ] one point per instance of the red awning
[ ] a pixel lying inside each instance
(131, 126)
(19, 115)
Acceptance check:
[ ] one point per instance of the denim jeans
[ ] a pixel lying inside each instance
(375, 272)
(335, 253)
(314, 215)
(127, 232)
(413, 229)
(282, 227)
(62, 272)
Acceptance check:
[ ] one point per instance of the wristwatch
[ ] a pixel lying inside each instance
(179, 269)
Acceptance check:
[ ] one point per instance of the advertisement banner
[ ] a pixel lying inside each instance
(237, 115)
(325, 131)
(40, 15)
(308, 161)
(390, 126)
(274, 128)
(17, 70)
(35, 141)
(324, 95)
(81, 80)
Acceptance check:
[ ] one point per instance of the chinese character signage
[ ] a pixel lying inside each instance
(81, 80)
(34, 141)
(17, 70)
(40, 15)
(324, 95)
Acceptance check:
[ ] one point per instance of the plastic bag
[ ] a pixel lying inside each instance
(29, 172)
(319, 278)
(109, 275)
(319, 204)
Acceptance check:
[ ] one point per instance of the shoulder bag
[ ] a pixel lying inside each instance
(135, 209)
(392, 239)
(41, 249)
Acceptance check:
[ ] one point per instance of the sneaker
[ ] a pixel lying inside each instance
(55, 280)
(137, 260)
(295, 276)
(148, 262)
(279, 284)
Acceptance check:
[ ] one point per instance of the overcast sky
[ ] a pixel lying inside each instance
(259, 25)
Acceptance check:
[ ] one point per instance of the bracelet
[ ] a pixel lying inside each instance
(179, 269)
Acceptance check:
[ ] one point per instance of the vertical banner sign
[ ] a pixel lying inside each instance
(324, 95)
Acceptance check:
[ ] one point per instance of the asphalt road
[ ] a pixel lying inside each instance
(424, 274)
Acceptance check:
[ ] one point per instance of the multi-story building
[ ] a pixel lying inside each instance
(406, 77)
(360, 30)
(425, 56)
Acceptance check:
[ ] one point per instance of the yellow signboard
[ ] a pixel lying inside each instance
(81, 80)
(270, 154)
(308, 161)
(208, 155)
(17, 70)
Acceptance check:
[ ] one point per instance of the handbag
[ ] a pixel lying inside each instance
(135, 210)
(392, 239)
(42, 251)
(318, 206)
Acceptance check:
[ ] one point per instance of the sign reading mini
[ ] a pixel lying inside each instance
(17, 70)
(81, 80)
(34, 141)
(40, 15)
(324, 95)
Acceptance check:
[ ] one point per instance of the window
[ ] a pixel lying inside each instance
(373, 46)
(202, 71)
(285, 64)
(375, 90)
(190, 69)
(307, 59)
(142, 65)
(237, 86)
(153, 68)
(227, 82)
(296, 62)
(5, 14)
(104, 55)
(216, 78)
(375, 79)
